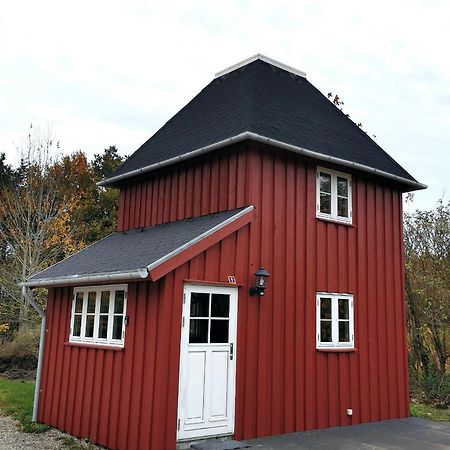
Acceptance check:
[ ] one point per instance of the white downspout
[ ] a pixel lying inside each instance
(41, 313)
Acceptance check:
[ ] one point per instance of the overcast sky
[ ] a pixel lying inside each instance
(113, 72)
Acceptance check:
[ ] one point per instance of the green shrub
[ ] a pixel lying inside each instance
(18, 357)
(429, 412)
(430, 386)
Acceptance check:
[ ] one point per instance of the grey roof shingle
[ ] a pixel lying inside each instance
(134, 249)
(268, 101)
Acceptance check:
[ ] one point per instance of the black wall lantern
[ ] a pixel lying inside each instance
(261, 282)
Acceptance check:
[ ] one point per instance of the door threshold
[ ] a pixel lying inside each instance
(186, 444)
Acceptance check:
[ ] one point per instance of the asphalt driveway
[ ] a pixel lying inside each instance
(411, 434)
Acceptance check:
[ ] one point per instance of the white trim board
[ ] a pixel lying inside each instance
(264, 58)
(200, 237)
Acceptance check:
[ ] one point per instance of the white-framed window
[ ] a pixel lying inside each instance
(334, 195)
(334, 320)
(99, 314)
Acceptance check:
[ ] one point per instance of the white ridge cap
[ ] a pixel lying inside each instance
(262, 58)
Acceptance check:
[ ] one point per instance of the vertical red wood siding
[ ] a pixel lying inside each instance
(209, 185)
(128, 399)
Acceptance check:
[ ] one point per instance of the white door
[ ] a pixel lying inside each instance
(207, 362)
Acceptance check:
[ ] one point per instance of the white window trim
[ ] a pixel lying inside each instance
(334, 215)
(335, 321)
(95, 340)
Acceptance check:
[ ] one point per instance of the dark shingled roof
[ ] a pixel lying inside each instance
(268, 101)
(134, 249)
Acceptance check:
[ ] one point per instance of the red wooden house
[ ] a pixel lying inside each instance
(159, 334)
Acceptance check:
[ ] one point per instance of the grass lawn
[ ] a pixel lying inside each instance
(16, 400)
(429, 412)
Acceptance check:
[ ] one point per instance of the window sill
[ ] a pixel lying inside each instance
(94, 346)
(336, 221)
(336, 350)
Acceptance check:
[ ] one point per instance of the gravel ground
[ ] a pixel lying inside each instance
(13, 439)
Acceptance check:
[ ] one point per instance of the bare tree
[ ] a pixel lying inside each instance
(35, 228)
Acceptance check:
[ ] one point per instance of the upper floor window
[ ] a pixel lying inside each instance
(334, 195)
(334, 320)
(98, 315)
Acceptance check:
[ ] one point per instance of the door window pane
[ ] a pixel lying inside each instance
(344, 335)
(199, 304)
(118, 302)
(198, 331)
(325, 308)
(325, 182)
(117, 327)
(91, 302)
(325, 331)
(220, 305)
(104, 303)
(76, 326)
(89, 326)
(219, 331)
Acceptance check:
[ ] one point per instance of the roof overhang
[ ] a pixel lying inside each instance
(161, 266)
(107, 277)
(249, 135)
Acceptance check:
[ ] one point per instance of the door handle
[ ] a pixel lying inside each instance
(231, 351)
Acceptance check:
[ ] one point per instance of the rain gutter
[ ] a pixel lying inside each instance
(248, 135)
(96, 278)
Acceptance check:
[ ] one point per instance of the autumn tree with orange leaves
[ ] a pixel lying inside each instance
(50, 208)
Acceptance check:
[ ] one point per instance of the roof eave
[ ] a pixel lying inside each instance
(249, 135)
(163, 265)
(83, 279)
(238, 138)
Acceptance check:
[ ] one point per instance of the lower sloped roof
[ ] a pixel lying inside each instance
(136, 253)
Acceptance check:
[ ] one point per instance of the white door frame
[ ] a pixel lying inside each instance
(214, 427)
